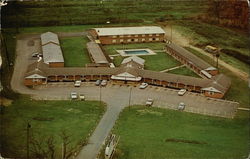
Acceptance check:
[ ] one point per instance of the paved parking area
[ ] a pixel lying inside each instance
(163, 97)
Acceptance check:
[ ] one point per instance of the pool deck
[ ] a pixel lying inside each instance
(124, 54)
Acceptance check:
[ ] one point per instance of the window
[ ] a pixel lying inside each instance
(136, 35)
(121, 36)
(129, 35)
(143, 35)
(113, 41)
(136, 40)
(153, 38)
(211, 93)
(114, 36)
(150, 39)
(150, 34)
(143, 39)
(129, 40)
(121, 40)
(132, 39)
(157, 34)
(157, 39)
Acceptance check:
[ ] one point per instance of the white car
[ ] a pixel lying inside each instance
(182, 92)
(181, 106)
(104, 83)
(81, 96)
(77, 83)
(143, 85)
(149, 102)
(73, 95)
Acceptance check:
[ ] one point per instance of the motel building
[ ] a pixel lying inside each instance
(190, 60)
(51, 50)
(124, 35)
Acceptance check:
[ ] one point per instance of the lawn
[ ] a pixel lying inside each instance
(239, 90)
(184, 71)
(75, 52)
(111, 49)
(47, 118)
(157, 62)
(151, 133)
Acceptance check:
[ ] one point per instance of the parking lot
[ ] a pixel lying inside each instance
(163, 97)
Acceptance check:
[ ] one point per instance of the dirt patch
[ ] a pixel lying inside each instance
(5, 101)
(74, 110)
(146, 111)
(43, 118)
(185, 141)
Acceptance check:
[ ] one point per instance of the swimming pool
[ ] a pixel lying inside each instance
(136, 52)
(131, 52)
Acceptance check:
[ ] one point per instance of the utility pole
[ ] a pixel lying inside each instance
(129, 100)
(100, 94)
(28, 142)
(217, 59)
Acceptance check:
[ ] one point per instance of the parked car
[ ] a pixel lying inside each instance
(37, 54)
(182, 92)
(181, 106)
(73, 95)
(149, 102)
(143, 85)
(81, 96)
(98, 82)
(77, 83)
(104, 82)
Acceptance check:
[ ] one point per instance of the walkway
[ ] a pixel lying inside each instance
(173, 68)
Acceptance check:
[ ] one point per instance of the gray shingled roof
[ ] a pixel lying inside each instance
(52, 53)
(129, 30)
(189, 56)
(96, 53)
(49, 37)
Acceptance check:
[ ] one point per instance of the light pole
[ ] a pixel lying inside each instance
(100, 94)
(129, 100)
(28, 142)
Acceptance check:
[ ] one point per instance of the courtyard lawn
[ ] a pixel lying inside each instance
(159, 62)
(111, 49)
(75, 52)
(47, 118)
(184, 71)
(160, 133)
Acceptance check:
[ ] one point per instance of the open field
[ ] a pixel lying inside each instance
(47, 118)
(184, 71)
(239, 90)
(66, 12)
(202, 34)
(158, 133)
(75, 52)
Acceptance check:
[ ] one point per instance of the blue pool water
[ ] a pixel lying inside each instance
(136, 52)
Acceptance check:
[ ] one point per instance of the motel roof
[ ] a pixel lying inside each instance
(96, 52)
(219, 82)
(49, 37)
(135, 59)
(190, 57)
(52, 53)
(129, 30)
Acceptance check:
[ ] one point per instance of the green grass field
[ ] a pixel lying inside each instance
(184, 71)
(76, 118)
(144, 133)
(75, 51)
